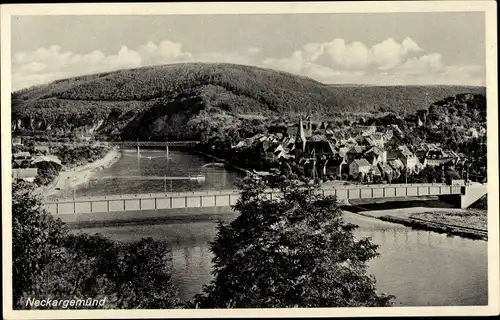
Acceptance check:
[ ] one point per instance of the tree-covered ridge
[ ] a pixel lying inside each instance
(453, 122)
(170, 95)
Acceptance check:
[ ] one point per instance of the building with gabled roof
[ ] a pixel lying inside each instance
(26, 174)
(385, 168)
(358, 166)
(397, 164)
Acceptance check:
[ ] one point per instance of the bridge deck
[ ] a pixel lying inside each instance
(201, 199)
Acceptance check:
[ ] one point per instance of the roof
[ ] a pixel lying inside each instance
(53, 159)
(343, 151)
(356, 149)
(41, 147)
(396, 164)
(362, 162)
(405, 151)
(385, 167)
(375, 150)
(317, 137)
(371, 158)
(24, 173)
(376, 171)
(378, 135)
(21, 154)
(370, 140)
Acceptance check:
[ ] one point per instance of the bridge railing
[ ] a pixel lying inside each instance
(158, 201)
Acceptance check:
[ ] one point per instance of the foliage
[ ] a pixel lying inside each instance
(50, 262)
(155, 102)
(47, 172)
(79, 155)
(296, 251)
(35, 237)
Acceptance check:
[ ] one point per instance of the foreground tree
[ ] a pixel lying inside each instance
(50, 262)
(295, 251)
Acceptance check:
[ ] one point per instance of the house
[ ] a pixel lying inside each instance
(343, 152)
(24, 155)
(26, 174)
(437, 157)
(354, 152)
(17, 141)
(20, 157)
(307, 143)
(375, 139)
(292, 131)
(376, 155)
(358, 166)
(239, 145)
(408, 158)
(388, 135)
(336, 166)
(385, 169)
(367, 141)
(396, 164)
(267, 150)
(42, 149)
(369, 131)
(375, 171)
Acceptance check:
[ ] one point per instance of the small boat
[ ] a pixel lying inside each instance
(214, 164)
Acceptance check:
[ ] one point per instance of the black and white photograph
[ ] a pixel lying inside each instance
(228, 159)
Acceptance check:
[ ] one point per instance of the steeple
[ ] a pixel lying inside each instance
(301, 137)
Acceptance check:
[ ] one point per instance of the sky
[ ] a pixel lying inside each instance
(342, 48)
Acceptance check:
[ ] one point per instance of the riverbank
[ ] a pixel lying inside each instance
(70, 178)
(466, 223)
(438, 227)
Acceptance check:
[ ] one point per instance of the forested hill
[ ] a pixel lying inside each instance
(154, 102)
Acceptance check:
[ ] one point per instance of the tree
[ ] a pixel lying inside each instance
(35, 236)
(49, 262)
(295, 251)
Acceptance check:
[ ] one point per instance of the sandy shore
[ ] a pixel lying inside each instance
(76, 176)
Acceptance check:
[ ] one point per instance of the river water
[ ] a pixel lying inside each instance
(419, 267)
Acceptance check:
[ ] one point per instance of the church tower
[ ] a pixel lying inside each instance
(300, 141)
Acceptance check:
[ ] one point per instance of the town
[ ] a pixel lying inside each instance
(358, 153)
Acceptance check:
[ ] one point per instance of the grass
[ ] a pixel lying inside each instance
(471, 218)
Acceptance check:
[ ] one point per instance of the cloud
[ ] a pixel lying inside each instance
(337, 61)
(387, 62)
(389, 54)
(253, 50)
(292, 64)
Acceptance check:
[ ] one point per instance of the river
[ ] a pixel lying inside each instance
(420, 268)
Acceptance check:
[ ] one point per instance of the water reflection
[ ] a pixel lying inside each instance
(154, 163)
(420, 268)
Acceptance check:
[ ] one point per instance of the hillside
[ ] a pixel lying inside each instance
(154, 102)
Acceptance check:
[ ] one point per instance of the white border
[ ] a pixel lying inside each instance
(489, 7)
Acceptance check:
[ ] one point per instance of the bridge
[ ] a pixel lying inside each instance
(153, 143)
(124, 143)
(462, 195)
